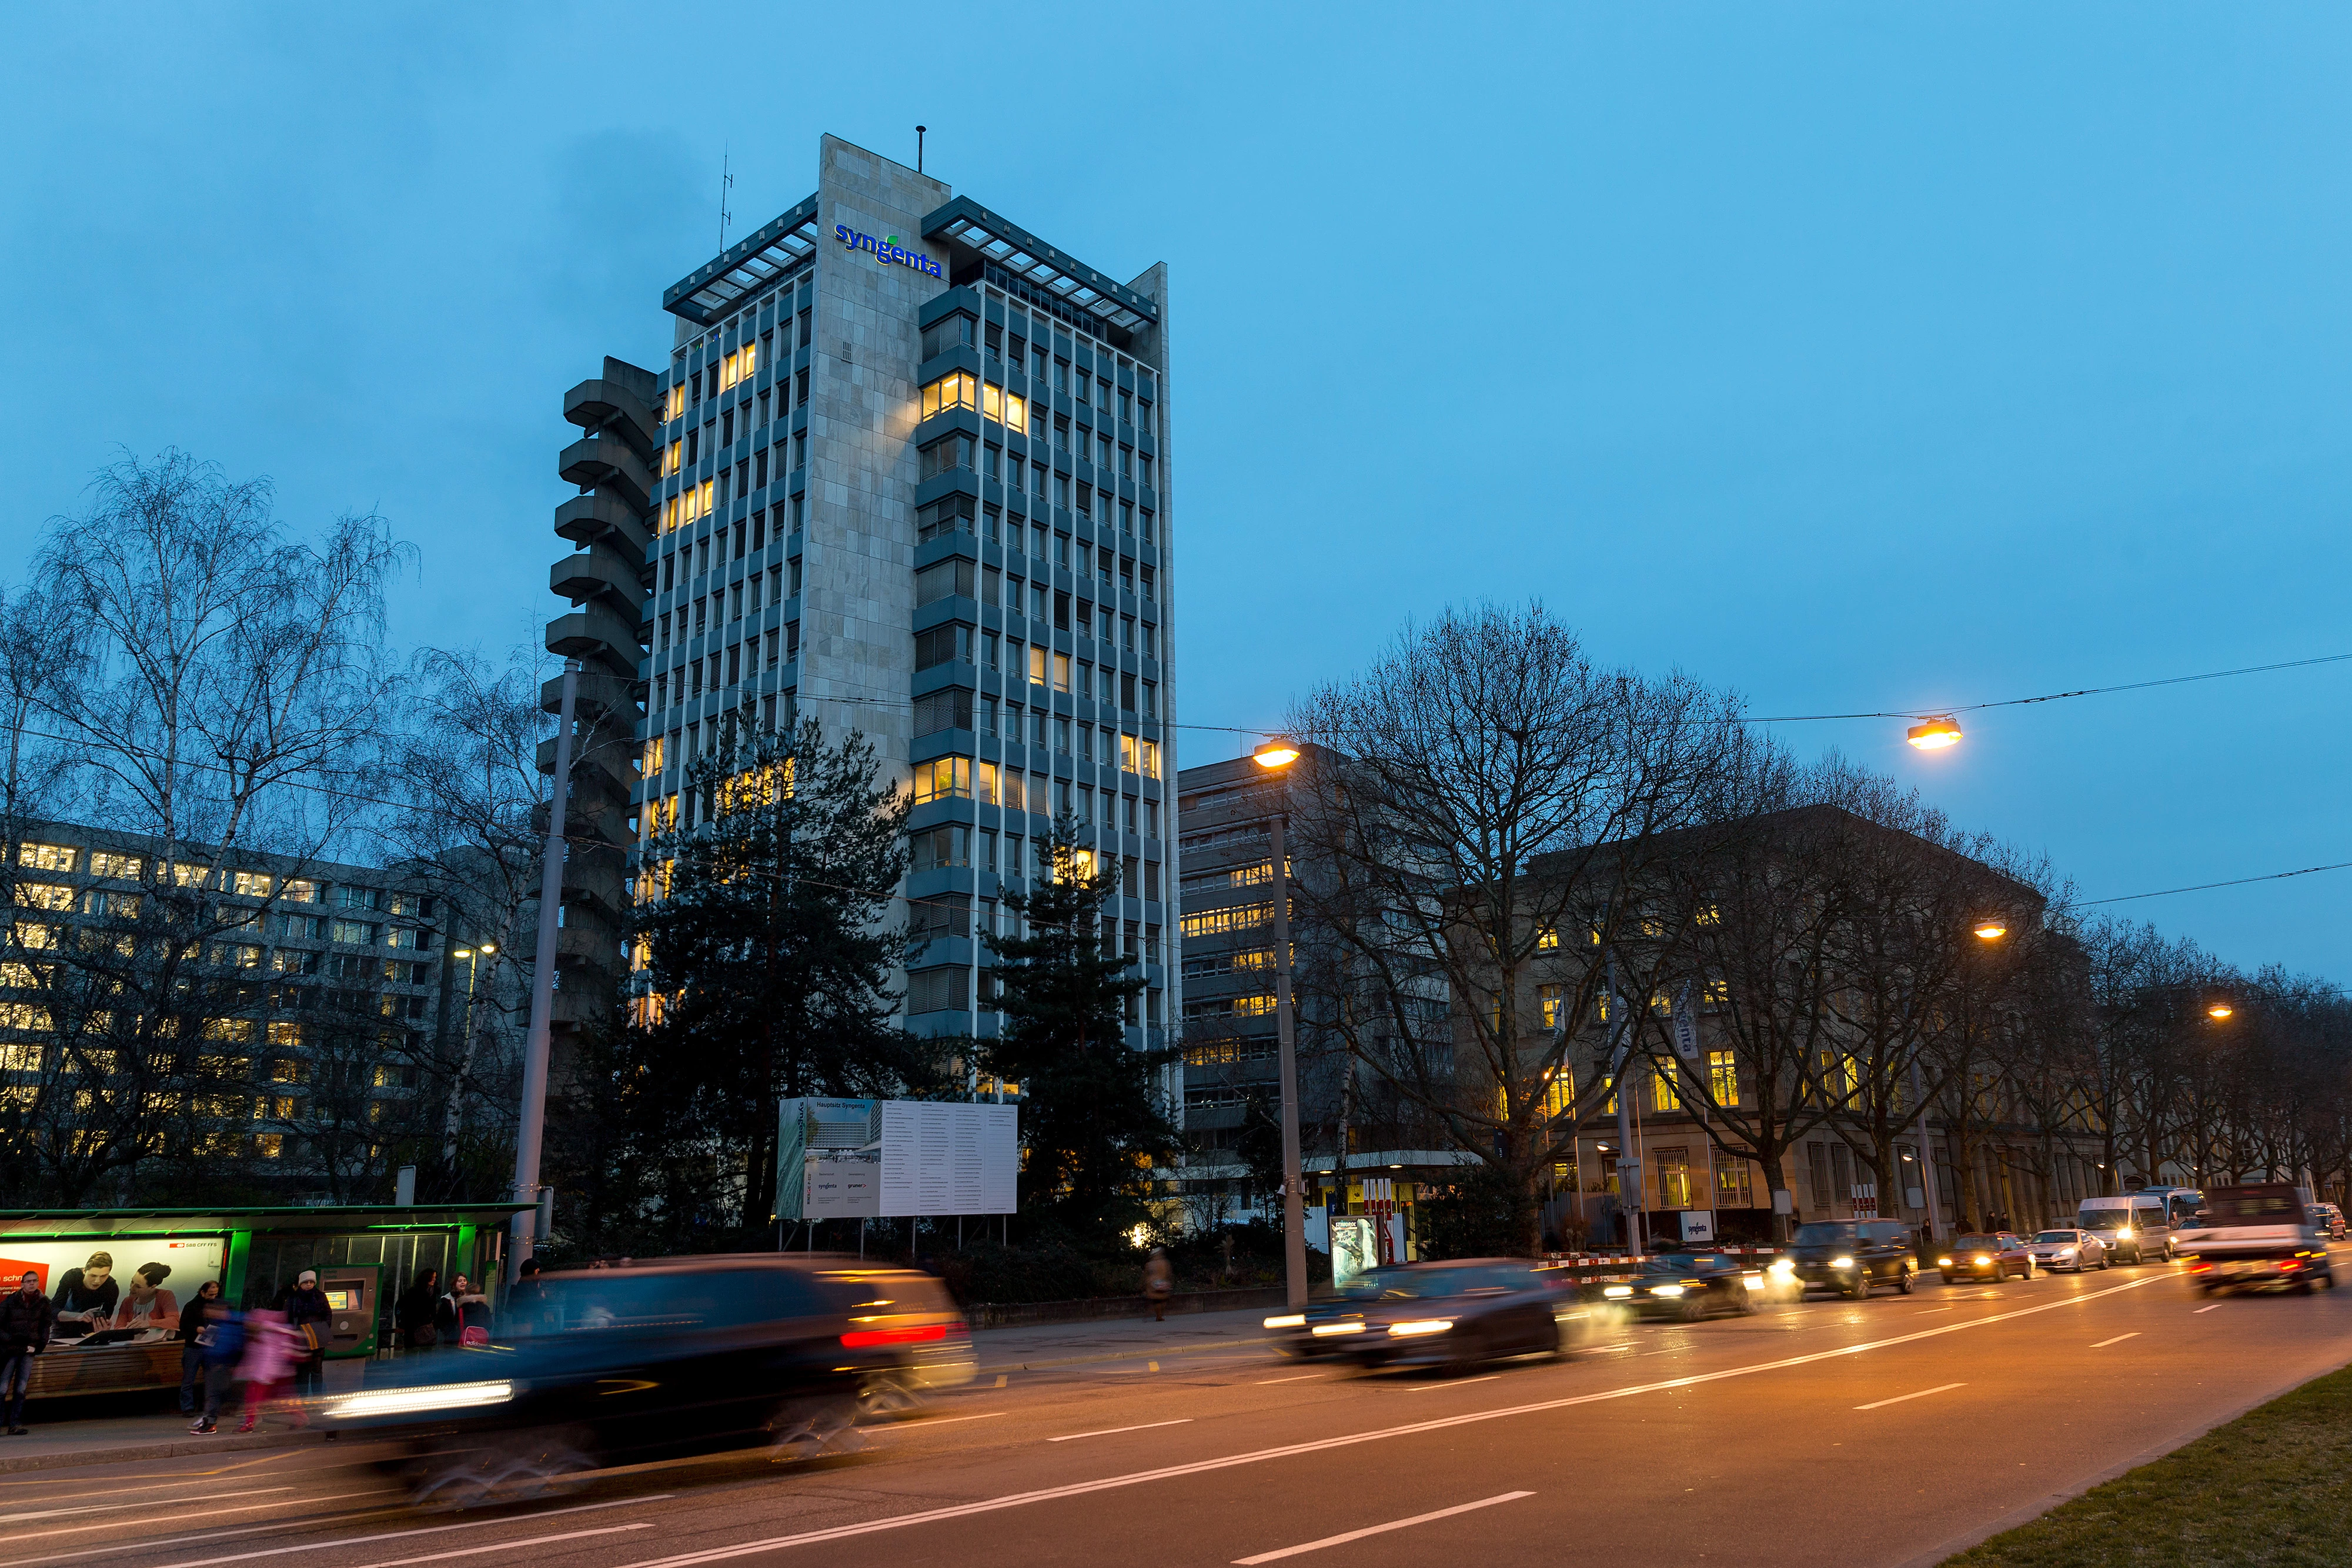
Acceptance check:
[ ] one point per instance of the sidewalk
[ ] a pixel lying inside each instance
(59, 1439)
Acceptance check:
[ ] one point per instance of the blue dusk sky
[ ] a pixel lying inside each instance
(1850, 356)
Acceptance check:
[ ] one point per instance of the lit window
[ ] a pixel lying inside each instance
(301, 890)
(1128, 754)
(728, 372)
(1062, 675)
(677, 458)
(943, 778)
(1662, 1096)
(44, 895)
(1716, 995)
(46, 857)
(751, 361)
(676, 409)
(1723, 1078)
(959, 390)
(1037, 664)
(1547, 937)
(1553, 999)
(254, 883)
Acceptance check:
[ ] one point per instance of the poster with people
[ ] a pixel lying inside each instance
(116, 1293)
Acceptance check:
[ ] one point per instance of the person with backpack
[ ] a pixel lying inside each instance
(307, 1313)
(220, 1342)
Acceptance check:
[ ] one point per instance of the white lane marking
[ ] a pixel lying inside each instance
(1381, 1529)
(950, 1420)
(116, 1506)
(1294, 1377)
(202, 1513)
(505, 1545)
(1107, 1431)
(372, 1540)
(2117, 1340)
(1459, 1383)
(2216, 1305)
(1321, 1444)
(1881, 1404)
(1924, 1311)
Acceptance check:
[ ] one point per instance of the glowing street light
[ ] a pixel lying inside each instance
(1275, 754)
(2219, 1011)
(1934, 734)
(1991, 930)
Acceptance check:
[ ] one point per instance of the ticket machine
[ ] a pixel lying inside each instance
(351, 1290)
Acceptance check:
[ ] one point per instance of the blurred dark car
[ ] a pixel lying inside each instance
(1687, 1286)
(1849, 1256)
(660, 1359)
(1327, 1322)
(1459, 1313)
(1994, 1254)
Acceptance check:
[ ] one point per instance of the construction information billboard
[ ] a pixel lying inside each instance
(859, 1159)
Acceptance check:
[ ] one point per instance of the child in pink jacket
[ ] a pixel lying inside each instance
(271, 1349)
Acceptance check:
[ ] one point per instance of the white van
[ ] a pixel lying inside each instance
(2134, 1226)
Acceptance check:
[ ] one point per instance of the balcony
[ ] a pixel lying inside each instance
(599, 636)
(604, 520)
(599, 693)
(598, 403)
(602, 464)
(594, 576)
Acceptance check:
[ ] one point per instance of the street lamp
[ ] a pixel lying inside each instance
(1934, 734)
(1991, 930)
(1274, 756)
(2219, 1011)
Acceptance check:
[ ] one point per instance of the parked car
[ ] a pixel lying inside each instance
(658, 1359)
(1849, 1256)
(1687, 1286)
(2134, 1227)
(1459, 1313)
(2068, 1250)
(1993, 1255)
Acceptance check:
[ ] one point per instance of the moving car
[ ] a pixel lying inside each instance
(2258, 1234)
(1993, 1255)
(1849, 1256)
(1457, 1314)
(2329, 1218)
(1327, 1323)
(2134, 1227)
(659, 1359)
(2068, 1250)
(1687, 1286)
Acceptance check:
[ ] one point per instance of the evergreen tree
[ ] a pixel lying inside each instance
(1091, 1116)
(765, 958)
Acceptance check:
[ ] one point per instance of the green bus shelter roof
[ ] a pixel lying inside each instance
(63, 1222)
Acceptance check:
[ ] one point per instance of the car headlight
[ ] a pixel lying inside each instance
(1782, 1266)
(1943, 1262)
(2065, 1252)
(1668, 1289)
(1841, 1262)
(2124, 1234)
(1325, 1330)
(1984, 1259)
(1420, 1326)
(1287, 1320)
(1616, 1293)
(417, 1401)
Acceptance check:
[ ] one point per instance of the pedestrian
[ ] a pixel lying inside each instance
(26, 1319)
(415, 1315)
(192, 1354)
(272, 1350)
(307, 1313)
(463, 1315)
(220, 1342)
(1159, 1280)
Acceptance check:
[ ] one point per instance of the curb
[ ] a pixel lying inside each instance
(11, 1464)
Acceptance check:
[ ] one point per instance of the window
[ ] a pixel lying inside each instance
(948, 579)
(944, 646)
(1734, 1185)
(1011, 411)
(938, 847)
(959, 390)
(943, 778)
(102, 864)
(953, 331)
(351, 931)
(943, 710)
(945, 455)
(1551, 999)
(950, 515)
(946, 989)
(1238, 917)
(1061, 672)
(44, 895)
(1674, 1178)
(1664, 1096)
(1723, 1077)
(47, 857)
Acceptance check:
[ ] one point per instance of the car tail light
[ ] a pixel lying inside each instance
(862, 1339)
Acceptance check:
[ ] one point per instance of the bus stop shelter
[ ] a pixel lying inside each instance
(120, 1276)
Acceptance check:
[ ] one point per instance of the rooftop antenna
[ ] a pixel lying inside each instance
(726, 182)
(918, 147)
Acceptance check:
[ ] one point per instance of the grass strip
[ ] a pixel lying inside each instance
(2272, 1487)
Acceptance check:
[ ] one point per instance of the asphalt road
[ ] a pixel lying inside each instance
(1893, 1432)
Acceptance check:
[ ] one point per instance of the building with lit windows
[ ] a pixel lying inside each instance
(907, 471)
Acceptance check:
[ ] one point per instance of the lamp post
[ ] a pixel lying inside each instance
(450, 1122)
(532, 1125)
(1274, 756)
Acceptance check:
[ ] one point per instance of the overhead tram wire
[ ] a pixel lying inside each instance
(2058, 696)
(2233, 882)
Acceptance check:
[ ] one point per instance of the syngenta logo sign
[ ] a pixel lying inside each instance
(885, 249)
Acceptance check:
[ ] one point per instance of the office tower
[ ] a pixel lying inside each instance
(906, 471)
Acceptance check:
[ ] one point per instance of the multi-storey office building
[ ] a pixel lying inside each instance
(907, 471)
(307, 981)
